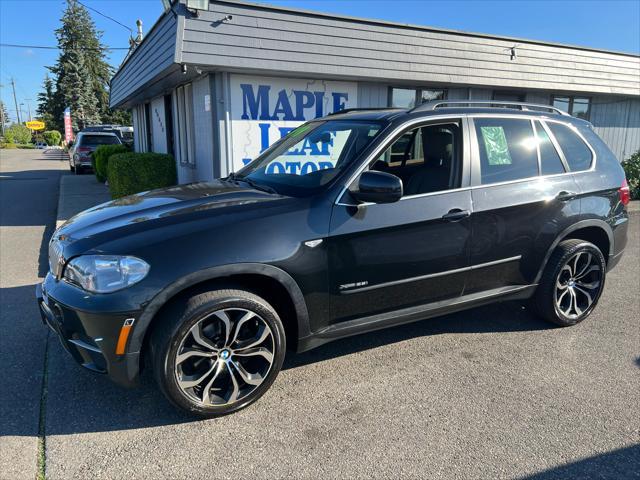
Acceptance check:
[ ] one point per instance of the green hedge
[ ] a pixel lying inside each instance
(52, 137)
(130, 173)
(632, 170)
(100, 159)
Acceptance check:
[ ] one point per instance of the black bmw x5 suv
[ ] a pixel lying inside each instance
(397, 216)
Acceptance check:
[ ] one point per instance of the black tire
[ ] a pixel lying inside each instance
(72, 168)
(173, 329)
(553, 284)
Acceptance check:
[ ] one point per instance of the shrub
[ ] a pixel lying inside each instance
(130, 173)
(8, 146)
(100, 159)
(52, 137)
(632, 169)
(17, 134)
(26, 146)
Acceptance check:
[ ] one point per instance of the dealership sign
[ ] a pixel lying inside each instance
(265, 109)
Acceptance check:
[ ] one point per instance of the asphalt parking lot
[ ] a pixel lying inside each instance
(493, 392)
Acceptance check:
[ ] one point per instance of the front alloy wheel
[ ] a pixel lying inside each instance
(218, 351)
(224, 357)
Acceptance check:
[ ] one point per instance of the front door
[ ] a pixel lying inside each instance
(386, 257)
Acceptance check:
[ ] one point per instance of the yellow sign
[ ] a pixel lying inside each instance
(35, 125)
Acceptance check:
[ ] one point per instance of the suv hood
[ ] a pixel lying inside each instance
(159, 208)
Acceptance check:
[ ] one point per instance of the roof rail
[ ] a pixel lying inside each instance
(362, 109)
(430, 106)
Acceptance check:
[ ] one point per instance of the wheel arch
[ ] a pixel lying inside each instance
(223, 273)
(595, 231)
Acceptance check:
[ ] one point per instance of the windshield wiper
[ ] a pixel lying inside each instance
(232, 177)
(258, 186)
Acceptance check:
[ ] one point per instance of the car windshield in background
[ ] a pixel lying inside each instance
(310, 156)
(99, 140)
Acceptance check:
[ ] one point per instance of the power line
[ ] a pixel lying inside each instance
(107, 16)
(48, 47)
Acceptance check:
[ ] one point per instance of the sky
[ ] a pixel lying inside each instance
(612, 25)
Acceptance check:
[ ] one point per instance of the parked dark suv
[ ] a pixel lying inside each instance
(393, 216)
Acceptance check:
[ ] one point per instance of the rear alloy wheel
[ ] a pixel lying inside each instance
(224, 352)
(572, 283)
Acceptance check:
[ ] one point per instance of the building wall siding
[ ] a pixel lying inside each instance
(275, 40)
(148, 61)
(372, 95)
(203, 123)
(617, 121)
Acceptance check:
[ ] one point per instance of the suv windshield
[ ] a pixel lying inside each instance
(99, 140)
(310, 156)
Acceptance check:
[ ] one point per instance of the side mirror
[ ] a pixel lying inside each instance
(378, 187)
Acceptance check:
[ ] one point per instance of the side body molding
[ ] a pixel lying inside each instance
(565, 233)
(302, 314)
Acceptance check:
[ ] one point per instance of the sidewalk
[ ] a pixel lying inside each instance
(77, 193)
(634, 206)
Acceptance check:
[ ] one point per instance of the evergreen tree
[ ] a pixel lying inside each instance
(46, 105)
(82, 74)
(75, 90)
(4, 114)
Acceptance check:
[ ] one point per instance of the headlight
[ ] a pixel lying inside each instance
(105, 273)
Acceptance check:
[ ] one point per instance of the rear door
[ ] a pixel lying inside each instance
(522, 198)
(385, 257)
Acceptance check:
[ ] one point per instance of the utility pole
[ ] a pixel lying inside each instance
(15, 100)
(28, 100)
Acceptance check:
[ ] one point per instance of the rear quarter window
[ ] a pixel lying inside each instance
(576, 151)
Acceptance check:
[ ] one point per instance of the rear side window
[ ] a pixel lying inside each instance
(99, 140)
(507, 149)
(576, 152)
(550, 162)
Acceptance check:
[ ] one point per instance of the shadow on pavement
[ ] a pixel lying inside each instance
(499, 317)
(80, 401)
(620, 464)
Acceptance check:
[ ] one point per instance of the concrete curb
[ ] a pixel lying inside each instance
(78, 193)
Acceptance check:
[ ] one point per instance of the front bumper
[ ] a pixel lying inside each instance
(90, 337)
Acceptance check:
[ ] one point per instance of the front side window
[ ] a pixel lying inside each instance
(310, 156)
(427, 159)
(576, 152)
(508, 149)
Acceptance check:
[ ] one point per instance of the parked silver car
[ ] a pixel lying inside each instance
(85, 144)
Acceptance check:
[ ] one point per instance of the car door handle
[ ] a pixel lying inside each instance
(455, 215)
(564, 195)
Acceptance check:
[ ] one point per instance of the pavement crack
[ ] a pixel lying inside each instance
(41, 470)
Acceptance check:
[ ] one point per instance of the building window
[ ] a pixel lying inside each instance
(577, 106)
(508, 96)
(411, 97)
(148, 128)
(183, 125)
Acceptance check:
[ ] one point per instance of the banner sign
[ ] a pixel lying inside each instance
(35, 125)
(68, 128)
(264, 109)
